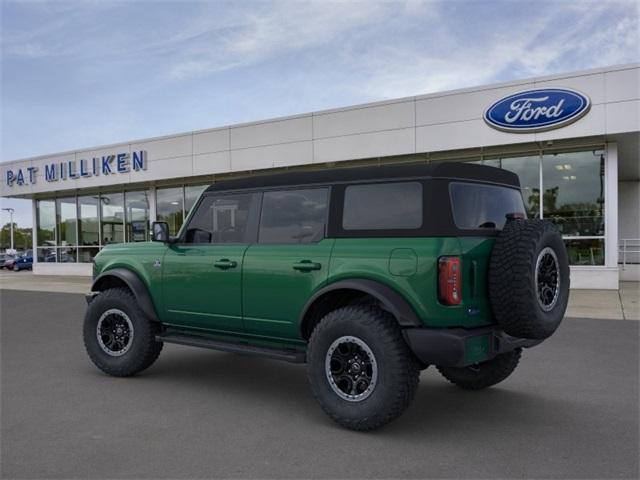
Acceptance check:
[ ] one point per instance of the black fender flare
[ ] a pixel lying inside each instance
(135, 284)
(391, 300)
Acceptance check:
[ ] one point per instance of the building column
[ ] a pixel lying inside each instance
(152, 205)
(611, 206)
(34, 231)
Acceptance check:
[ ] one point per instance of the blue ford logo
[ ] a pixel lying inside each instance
(536, 110)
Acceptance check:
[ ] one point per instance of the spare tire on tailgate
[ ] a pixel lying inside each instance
(529, 278)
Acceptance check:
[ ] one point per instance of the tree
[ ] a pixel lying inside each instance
(22, 237)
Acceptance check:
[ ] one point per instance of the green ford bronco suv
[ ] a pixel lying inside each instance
(367, 275)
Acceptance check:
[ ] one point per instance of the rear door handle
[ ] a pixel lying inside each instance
(306, 266)
(225, 263)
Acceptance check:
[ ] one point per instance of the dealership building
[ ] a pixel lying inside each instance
(573, 139)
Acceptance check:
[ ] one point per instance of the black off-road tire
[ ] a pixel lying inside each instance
(513, 290)
(483, 375)
(144, 349)
(398, 371)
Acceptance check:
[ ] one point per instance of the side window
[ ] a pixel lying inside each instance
(293, 216)
(222, 219)
(383, 206)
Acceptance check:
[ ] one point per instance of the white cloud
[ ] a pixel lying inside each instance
(533, 48)
(258, 35)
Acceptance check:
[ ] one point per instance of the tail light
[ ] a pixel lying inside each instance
(449, 280)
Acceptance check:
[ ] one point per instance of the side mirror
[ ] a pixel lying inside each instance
(160, 232)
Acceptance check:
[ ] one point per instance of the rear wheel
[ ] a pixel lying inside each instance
(485, 374)
(360, 368)
(118, 337)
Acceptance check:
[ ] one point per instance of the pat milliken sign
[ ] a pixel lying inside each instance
(105, 165)
(537, 110)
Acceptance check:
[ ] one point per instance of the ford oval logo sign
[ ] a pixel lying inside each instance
(537, 110)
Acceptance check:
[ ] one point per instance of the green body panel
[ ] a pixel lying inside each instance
(476, 252)
(140, 259)
(277, 284)
(199, 294)
(391, 261)
(261, 297)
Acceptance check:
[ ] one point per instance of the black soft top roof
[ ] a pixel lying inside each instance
(455, 170)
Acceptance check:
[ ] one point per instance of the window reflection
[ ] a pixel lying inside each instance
(574, 192)
(112, 213)
(67, 213)
(191, 195)
(46, 222)
(88, 228)
(169, 208)
(137, 215)
(585, 251)
(573, 197)
(293, 216)
(86, 254)
(528, 170)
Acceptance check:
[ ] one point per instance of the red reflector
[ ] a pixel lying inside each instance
(449, 280)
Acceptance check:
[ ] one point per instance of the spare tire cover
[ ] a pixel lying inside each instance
(529, 278)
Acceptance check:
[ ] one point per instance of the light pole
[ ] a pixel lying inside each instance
(10, 210)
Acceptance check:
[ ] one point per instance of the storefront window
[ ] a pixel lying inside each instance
(86, 254)
(67, 218)
(67, 255)
(74, 229)
(585, 251)
(46, 222)
(46, 254)
(574, 192)
(137, 216)
(573, 197)
(112, 219)
(191, 195)
(88, 223)
(170, 207)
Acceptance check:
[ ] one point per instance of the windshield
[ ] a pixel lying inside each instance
(476, 206)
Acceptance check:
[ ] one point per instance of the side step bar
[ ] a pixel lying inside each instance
(197, 341)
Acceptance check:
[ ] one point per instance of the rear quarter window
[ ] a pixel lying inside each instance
(383, 206)
(476, 206)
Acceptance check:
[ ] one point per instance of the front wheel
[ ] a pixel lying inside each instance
(361, 370)
(485, 374)
(16, 268)
(118, 337)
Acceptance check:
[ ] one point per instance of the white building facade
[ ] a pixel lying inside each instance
(574, 140)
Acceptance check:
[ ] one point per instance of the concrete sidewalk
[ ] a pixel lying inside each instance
(606, 304)
(26, 280)
(623, 304)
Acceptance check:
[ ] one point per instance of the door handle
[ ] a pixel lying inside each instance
(306, 266)
(225, 263)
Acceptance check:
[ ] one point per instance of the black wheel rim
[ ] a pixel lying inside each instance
(351, 368)
(114, 332)
(547, 279)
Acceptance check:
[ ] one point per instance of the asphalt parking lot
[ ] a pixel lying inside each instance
(569, 411)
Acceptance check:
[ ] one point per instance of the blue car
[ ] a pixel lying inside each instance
(24, 261)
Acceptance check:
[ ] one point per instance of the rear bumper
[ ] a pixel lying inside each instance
(460, 347)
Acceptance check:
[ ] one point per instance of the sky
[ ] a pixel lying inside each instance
(77, 74)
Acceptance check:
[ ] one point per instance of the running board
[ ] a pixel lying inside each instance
(287, 355)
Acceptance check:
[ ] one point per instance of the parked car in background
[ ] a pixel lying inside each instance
(8, 261)
(3, 258)
(23, 262)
